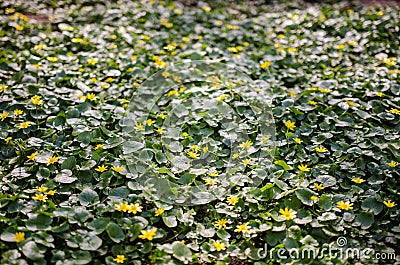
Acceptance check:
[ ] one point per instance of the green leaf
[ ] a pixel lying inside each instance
(88, 196)
(170, 221)
(328, 216)
(325, 202)
(283, 164)
(65, 177)
(267, 186)
(371, 204)
(115, 232)
(366, 219)
(99, 225)
(135, 231)
(223, 234)
(38, 222)
(181, 252)
(69, 163)
(91, 242)
(304, 196)
(326, 180)
(31, 251)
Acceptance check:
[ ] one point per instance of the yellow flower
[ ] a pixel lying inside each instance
(117, 169)
(206, 8)
(139, 127)
(52, 160)
(210, 182)
(303, 168)
(2, 87)
(42, 189)
(36, 100)
(98, 146)
(8, 139)
(395, 111)
(350, 103)
(185, 134)
(205, 149)
(379, 13)
(232, 49)
(150, 122)
(246, 161)
(120, 259)
(324, 90)
(312, 102)
(162, 116)
(51, 192)
(393, 164)
(10, 10)
(52, 59)
(219, 246)
(287, 213)
(235, 155)
(91, 96)
(159, 212)
(123, 207)
(25, 125)
(40, 197)
(352, 43)
(213, 174)
(340, 46)
(195, 148)
(318, 187)
(193, 155)
(222, 97)
(148, 234)
(92, 61)
(264, 140)
(290, 125)
(101, 168)
(246, 144)
(3, 115)
(160, 130)
(320, 149)
(292, 49)
(358, 180)
(19, 27)
(161, 64)
(389, 203)
(265, 65)
(19, 237)
(18, 112)
(314, 198)
(134, 208)
(67, 28)
(244, 228)
(389, 61)
(81, 97)
(344, 205)
(172, 93)
(221, 223)
(297, 140)
(232, 200)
